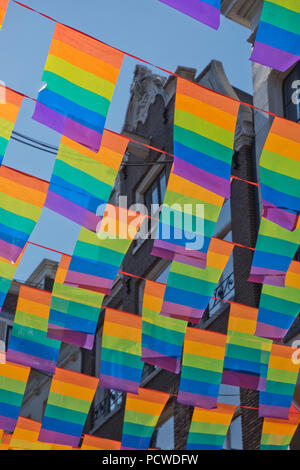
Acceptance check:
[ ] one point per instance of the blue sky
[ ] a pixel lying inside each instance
(145, 28)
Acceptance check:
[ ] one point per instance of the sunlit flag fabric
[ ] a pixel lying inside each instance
(22, 199)
(121, 366)
(142, 412)
(276, 400)
(189, 288)
(7, 273)
(13, 381)
(69, 401)
(279, 306)
(99, 443)
(10, 103)
(280, 173)
(82, 180)
(162, 337)
(28, 344)
(187, 222)
(96, 261)
(80, 76)
(25, 436)
(5, 441)
(247, 356)
(277, 43)
(205, 11)
(3, 7)
(204, 128)
(278, 433)
(275, 248)
(209, 427)
(202, 367)
(74, 312)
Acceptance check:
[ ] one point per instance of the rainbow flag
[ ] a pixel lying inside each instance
(142, 412)
(5, 441)
(10, 103)
(7, 271)
(97, 257)
(202, 367)
(274, 251)
(187, 222)
(278, 433)
(25, 436)
(205, 11)
(209, 427)
(28, 344)
(279, 306)
(162, 337)
(69, 401)
(279, 173)
(189, 288)
(247, 356)
(277, 43)
(80, 76)
(22, 199)
(283, 370)
(99, 443)
(82, 180)
(3, 7)
(121, 366)
(204, 120)
(74, 312)
(13, 381)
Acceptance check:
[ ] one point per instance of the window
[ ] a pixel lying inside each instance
(291, 95)
(156, 192)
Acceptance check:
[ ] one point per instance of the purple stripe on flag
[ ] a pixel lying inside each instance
(31, 361)
(275, 280)
(275, 333)
(116, 383)
(84, 340)
(68, 209)
(193, 399)
(272, 57)
(167, 250)
(182, 312)
(7, 424)
(269, 411)
(103, 285)
(217, 185)
(280, 217)
(54, 437)
(197, 9)
(9, 251)
(243, 380)
(169, 363)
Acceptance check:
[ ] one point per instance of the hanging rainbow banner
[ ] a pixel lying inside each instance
(278, 433)
(80, 76)
(13, 381)
(187, 222)
(209, 427)
(202, 367)
(247, 356)
(162, 337)
(274, 251)
(189, 288)
(28, 344)
(82, 180)
(204, 120)
(279, 306)
(121, 366)
(5, 441)
(74, 312)
(69, 401)
(205, 11)
(277, 43)
(142, 412)
(279, 173)
(97, 257)
(99, 443)
(3, 7)
(10, 103)
(7, 271)
(25, 436)
(22, 199)
(276, 400)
